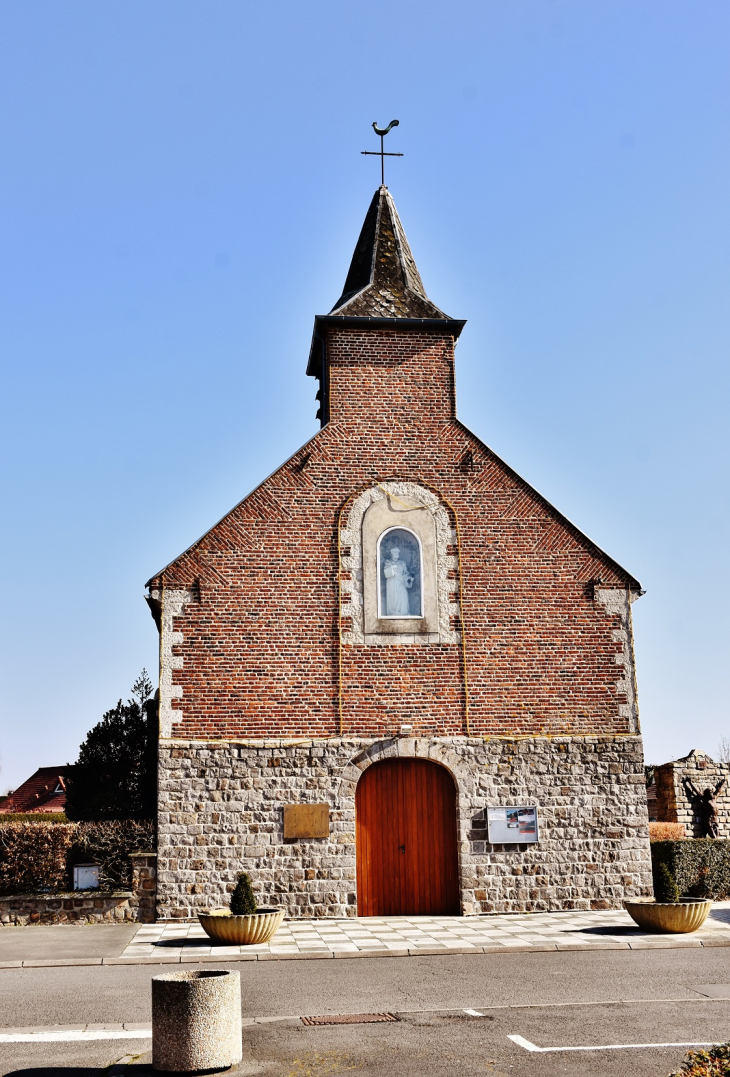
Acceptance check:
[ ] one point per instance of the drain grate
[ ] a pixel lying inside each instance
(348, 1018)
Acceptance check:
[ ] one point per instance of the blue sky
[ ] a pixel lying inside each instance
(182, 187)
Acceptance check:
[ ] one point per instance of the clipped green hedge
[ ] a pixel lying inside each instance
(699, 866)
(39, 857)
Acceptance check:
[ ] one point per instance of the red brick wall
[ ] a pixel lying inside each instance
(261, 644)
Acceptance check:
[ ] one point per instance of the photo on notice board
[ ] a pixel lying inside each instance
(513, 824)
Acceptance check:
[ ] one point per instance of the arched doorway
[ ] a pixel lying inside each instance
(407, 859)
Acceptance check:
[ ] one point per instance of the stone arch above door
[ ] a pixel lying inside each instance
(380, 507)
(407, 748)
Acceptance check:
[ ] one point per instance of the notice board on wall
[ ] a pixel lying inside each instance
(512, 824)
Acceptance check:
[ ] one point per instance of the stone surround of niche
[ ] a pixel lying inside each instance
(221, 812)
(358, 580)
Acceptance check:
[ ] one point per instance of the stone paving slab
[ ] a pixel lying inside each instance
(384, 936)
(370, 937)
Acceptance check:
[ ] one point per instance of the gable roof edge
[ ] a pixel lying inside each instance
(225, 515)
(636, 586)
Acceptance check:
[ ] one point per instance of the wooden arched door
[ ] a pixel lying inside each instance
(407, 859)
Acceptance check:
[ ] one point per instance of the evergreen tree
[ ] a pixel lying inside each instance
(115, 776)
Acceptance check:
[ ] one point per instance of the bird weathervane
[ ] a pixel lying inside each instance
(382, 131)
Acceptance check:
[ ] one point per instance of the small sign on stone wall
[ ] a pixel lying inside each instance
(512, 824)
(306, 821)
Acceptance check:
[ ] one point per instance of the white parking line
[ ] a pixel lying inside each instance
(75, 1035)
(522, 1042)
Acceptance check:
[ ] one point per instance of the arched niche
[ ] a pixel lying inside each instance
(400, 576)
(375, 511)
(405, 514)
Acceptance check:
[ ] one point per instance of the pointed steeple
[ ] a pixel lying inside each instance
(383, 281)
(383, 295)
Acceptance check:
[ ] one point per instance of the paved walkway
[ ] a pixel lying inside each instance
(406, 935)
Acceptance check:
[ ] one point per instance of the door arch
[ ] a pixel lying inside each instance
(405, 833)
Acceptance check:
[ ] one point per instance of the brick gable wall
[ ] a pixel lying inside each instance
(257, 650)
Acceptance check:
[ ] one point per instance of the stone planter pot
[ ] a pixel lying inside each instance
(222, 926)
(196, 1021)
(675, 917)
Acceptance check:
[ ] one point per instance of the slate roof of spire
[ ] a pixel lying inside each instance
(383, 281)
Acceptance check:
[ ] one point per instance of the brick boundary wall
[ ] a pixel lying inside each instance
(221, 812)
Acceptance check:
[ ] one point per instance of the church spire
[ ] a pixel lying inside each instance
(384, 295)
(383, 281)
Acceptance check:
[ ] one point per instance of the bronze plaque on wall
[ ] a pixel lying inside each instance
(306, 821)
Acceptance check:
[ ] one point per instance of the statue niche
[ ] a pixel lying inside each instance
(704, 807)
(399, 573)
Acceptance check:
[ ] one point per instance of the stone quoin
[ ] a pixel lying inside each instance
(506, 658)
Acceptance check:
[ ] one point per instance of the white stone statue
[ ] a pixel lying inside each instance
(398, 582)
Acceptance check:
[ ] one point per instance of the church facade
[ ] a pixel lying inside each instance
(393, 651)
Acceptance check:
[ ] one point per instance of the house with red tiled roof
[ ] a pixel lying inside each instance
(44, 791)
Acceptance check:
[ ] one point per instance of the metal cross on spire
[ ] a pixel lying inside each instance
(382, 131)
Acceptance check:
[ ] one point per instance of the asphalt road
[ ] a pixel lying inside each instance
(552, 999)
(65, 941)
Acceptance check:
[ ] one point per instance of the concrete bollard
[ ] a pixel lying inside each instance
(196, 1021)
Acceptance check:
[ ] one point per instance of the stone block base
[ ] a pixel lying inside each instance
(221, 812)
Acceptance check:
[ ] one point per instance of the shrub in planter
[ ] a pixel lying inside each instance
(665, 888)
(670, 912)
(244, 924)
(243, 899)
